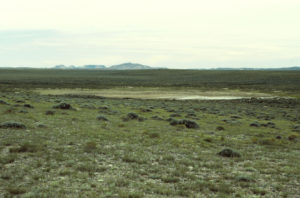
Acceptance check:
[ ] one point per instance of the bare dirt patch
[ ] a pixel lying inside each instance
(159, 93)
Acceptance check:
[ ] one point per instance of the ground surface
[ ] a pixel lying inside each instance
(120, 147)
(74, 154)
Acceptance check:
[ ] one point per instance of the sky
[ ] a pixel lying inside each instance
(159, 33)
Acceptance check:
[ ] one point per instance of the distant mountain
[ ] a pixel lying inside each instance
(129, 66)
(60, 67)
(136, 66)
(93, 67)
(80, 67)
(124, 66)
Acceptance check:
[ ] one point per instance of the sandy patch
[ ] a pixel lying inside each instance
(159, 93)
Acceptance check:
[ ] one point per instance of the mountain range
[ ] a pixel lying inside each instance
(124, 66)
(136, 66)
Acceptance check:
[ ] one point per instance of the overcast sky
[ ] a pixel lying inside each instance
(167, 33)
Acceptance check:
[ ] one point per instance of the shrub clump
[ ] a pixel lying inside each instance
(28, 106)
(132, 116)
(26, 147)
(50, 112)
(90, 147)
(188, 123)
(229, 153)
(255, 124)
(102, 118)
(3, 102)
(12, 124)
(154, 135)
(62, 106)
(220, 128)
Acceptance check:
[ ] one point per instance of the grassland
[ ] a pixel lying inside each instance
(266, 81)
(114, 147)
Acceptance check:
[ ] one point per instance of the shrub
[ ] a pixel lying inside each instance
(12, 124)
(229, 153)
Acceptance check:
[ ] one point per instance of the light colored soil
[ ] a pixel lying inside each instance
(159, 93)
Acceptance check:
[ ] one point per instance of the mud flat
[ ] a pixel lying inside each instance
(159, 93)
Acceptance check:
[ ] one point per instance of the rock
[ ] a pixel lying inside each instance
(229, 153)
(62, 106)
(102, 118)
(12, 124)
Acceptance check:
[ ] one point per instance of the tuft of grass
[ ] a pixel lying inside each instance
(170, 179)
(90, 147)
(26, 147)
(15, 190)
(259, 191)
(154, 135)
(293, 137)
(125, 194)
(8, 159)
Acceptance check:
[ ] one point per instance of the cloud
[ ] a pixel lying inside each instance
(176, 33)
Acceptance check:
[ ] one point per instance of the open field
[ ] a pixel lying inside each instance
(145, 147)
(264, 81)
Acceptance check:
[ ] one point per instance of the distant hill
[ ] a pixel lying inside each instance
(124, 66)
(93, 67)
(80, 67)
(60, 67)
(137, 66)
(129, 66)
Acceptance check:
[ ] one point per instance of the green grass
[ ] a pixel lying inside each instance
(76, 154)
(286, 82)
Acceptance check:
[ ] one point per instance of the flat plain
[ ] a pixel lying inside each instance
(86, 133)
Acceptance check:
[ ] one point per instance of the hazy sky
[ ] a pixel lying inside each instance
(169, 33)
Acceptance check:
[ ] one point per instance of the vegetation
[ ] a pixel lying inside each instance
(247, 80)
(87, 146)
